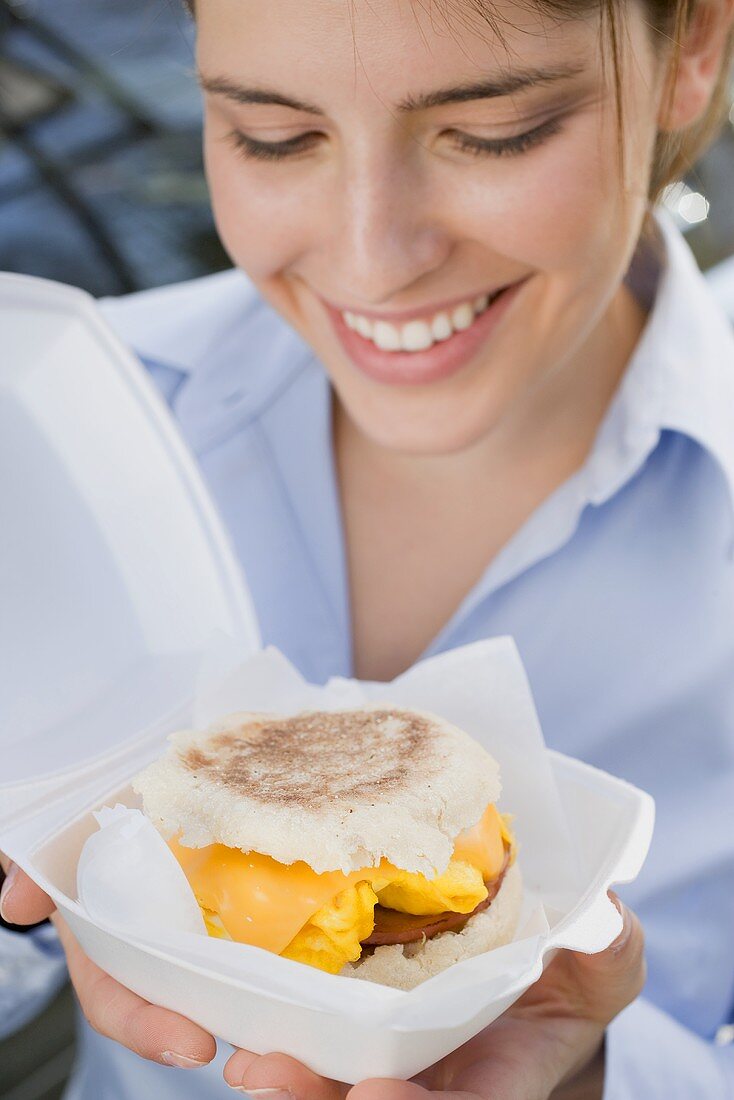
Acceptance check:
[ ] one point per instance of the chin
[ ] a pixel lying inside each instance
(419, 425)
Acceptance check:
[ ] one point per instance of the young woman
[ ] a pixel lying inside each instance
(472, 384)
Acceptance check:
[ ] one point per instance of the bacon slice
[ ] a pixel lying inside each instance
(392, 926)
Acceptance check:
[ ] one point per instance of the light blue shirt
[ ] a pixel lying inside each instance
(619, 591)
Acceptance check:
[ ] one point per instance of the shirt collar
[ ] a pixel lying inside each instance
(680, 377)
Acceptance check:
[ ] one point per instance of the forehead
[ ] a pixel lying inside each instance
(383, 49)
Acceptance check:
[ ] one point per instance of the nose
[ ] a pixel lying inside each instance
(388, 233)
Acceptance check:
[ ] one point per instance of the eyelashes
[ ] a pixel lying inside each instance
(272, 150)
(506, 147)
(252, 149)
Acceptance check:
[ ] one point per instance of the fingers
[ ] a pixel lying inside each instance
(117, 1013)
(278, 1074)
(382, 1089)
(21, 901)
(278, 1077)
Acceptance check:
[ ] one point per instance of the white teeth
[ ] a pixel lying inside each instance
(416, 336)
(441, 327)
(386, 336)
(421, 334)
(462, 317)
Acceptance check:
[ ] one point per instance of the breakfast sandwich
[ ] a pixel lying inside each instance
(364, 842)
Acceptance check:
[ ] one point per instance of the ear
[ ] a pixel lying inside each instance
(701, 54)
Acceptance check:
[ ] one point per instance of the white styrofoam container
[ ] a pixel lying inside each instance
(115, 569)
(115, 575)
(612, 821)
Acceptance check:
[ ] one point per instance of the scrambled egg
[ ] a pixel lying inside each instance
(459, 890)
(214, 924)
(333, 936)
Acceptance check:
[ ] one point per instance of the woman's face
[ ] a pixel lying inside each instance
(382, 169)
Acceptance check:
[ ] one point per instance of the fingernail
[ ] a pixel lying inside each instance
(10, 877)
(181, 1061)
(623, 938)
(265, 1094)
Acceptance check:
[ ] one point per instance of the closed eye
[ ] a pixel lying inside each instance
(505, 147)
(273, 150)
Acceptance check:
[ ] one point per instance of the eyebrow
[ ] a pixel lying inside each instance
(516, 81)
(221, 86)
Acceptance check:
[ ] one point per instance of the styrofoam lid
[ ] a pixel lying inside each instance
(114, 569)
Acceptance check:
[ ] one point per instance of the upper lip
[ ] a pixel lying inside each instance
(402, 316)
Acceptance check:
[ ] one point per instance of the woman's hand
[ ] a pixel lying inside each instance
(111, 1009)
(549, 1043)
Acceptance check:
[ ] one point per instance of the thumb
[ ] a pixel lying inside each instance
(613, 978)
(21, 901)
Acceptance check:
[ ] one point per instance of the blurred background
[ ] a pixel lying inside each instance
(101, 186)
(100, 167)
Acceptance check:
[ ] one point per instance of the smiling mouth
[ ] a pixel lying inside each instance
(419, 350)
(420, 334)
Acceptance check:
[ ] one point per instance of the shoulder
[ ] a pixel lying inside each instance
(176, 325)
(215, 348)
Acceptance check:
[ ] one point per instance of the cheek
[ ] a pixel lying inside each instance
(256, 217)
(558, 208)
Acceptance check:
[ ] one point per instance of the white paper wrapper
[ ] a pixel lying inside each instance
(129, 882)
(127, 878)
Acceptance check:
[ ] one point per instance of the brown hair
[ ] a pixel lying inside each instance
(669, 20)
(676, 151)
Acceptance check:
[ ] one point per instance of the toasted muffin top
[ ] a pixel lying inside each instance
(339, 790)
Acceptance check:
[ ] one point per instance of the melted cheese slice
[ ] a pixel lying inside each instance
(483, 845)
(258, 900)
(265, 903)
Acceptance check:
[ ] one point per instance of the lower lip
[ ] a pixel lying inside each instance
(416, 368)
